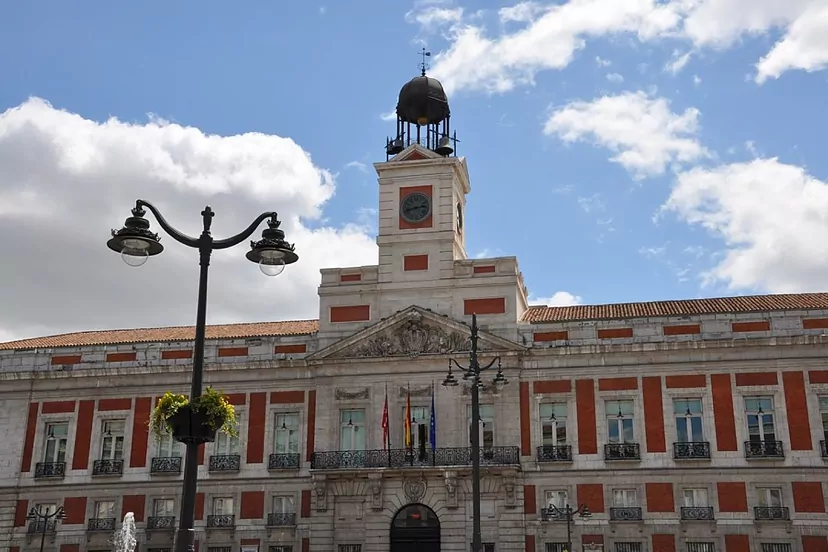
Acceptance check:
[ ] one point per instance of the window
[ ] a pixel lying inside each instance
(167, 447)
(286, 437)
(553, 423)
(112, 440)
(485, 547)
(769, 497)
(628, 547)
(558, 499)
(46, 508)
(486, 430)
(104, 509)
(223, 506)
(555, 547)
(776, 547)
(55, 448)
(624, 498)
(351, 431)
(280, 549)
(701, 547)
(823, 412)
(284, 505)
(350, 548)
(420, 420)
(227, 445)
(220, 549)
(759, 411)
(163, 507)
(688, 414)
(695, 498)
(620, 417)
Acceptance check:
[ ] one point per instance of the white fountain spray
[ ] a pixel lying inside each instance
(124, 539)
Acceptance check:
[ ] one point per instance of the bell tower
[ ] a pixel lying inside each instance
(423, 187)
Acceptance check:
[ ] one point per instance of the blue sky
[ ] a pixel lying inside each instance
(718, 181)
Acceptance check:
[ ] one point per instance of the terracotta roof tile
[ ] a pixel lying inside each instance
(721, 305)
(155, 335)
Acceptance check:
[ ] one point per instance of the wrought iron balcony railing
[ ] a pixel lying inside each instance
(283, 461)
(38, 525)
(625, 514)
(170, 465)
(281, 519)
(698, 450)
(764, 449)
(771, 513)
(622, 451)
(161, 522)
(552, 514)
(403, 458)
(823, 448)
(555, 453)
(108, 467)
(50, 469)
(220, 521)
(225, 463)
(101, 524)
(697, 513)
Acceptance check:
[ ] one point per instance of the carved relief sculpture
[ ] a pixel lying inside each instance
(451, 491)
(416, 391)
(321, 490)
(376, 495)
(360, 394)
(414, 489)
(412, 338)
(509, 488)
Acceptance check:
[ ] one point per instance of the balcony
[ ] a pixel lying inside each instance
(555, 453)
(551, 514)
(283, 461)
(771, 513)
(101, 524)
(160, 522)
(622, 451)
(699, 450)
(402, 458)
(39, 526)
(764, 449)
(697, 513)
(108, 467)
(225, 463)
(45, 470)
(278, 519)
(166, 465)
(823, 449)
(221, 522)
(625, 514)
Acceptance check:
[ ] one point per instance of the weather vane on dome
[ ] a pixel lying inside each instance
(424, 63)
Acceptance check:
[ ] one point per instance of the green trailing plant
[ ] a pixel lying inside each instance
(220, 414)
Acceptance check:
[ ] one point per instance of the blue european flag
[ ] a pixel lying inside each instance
(432, 423)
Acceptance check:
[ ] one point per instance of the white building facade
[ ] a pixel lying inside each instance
(694, 425)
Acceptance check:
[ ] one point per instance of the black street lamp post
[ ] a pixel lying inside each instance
(472, 373)
(136, 243)
(44, 519)
(567, 514)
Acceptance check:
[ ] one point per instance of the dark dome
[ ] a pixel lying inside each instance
(423, 101)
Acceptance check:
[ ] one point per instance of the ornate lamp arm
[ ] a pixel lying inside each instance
(246, 233)
(180, 237)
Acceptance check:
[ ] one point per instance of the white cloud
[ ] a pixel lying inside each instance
(549, 41)
(678, 62)
(697, 80)
(65, 181)
(804, 46)
(645, 134)
(358, 165)
(592, 204)
(433, 17)
(521, 13)
(615, 78)
(558, 299)
(772, 218)
(601, 62)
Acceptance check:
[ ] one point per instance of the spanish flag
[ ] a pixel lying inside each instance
(409, 442)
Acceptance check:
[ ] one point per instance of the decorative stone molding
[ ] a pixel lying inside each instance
(415, 489)
(485, 389)
(451, 490)
(416, 391)
(375, 486)
(509, 489)
(320, 489)
(412, 337)
(360, 394)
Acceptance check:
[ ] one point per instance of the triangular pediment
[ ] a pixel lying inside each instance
(414, 332)
(415, 152)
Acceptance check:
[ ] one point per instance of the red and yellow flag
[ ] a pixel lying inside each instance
(409, 442)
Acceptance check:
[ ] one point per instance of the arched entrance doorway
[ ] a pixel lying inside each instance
(415, 528)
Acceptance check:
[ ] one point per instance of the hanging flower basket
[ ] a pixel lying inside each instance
(196, 421)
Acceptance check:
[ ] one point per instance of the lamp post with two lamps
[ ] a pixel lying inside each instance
(136, 243)
(472, 373)
(44, 519)
(567, 514)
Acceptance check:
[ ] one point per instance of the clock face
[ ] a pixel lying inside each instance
(415, 207)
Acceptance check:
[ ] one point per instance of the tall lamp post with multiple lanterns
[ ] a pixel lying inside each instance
(472, 374)
(567, 514)
(136, 243)
(44, 520)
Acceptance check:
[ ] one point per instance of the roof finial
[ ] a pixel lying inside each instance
(424, 64)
